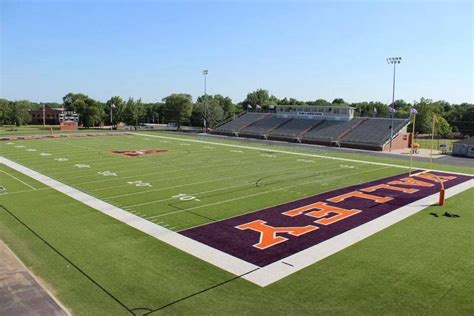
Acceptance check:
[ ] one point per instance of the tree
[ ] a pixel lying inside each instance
(153, 112)
(90, 111)
(178, 107)
(70, 99)
(366, 109)
(4, 111)
(215, 113)
(461, 118)
(133, 112)
(117, 112)
(319, 102)
(212, 103)
(338, 101)
(260, 97)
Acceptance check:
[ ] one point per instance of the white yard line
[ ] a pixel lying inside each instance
(224, 177)
(292, 153)
(216, 257)
(265, 192)
(12, 176)
(198, 193)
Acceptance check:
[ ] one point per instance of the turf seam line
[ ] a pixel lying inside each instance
(30, 186)
(66, 258)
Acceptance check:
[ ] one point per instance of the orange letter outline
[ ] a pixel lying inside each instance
(268, 234)
(361, 195)
(324, 209)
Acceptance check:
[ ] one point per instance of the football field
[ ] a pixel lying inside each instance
(184, 183)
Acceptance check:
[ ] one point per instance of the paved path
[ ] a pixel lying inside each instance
(20, 293)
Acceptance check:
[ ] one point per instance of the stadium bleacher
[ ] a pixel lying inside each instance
(369, 133)
(263, 126)
(330, 130)
(374, 131)
(293, 128)
(240, 122)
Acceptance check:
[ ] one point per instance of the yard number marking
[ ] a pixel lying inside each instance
(185, 197)
(305, 160)
(81, 165)
(347, 166)
(139, 183)
(107, 173)
(61, 159)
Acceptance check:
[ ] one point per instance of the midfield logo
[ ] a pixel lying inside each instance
(269, 235)
(138, 153)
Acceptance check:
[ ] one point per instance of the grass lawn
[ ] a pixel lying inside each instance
(426, 143)
(97, 265)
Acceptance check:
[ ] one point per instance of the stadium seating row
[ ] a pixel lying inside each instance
(358, 131)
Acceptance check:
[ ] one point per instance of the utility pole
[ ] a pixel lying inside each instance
(44, 117)
(394, 61)
(112, 107)
(204, 73)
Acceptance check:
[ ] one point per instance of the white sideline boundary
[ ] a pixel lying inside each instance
(294, 153)
(204, 252)
(262, 276)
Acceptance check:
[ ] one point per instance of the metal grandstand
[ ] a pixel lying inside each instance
(364, 133)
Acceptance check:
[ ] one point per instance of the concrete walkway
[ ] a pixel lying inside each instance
(20, 293)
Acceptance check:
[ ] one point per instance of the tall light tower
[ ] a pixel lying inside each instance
(204, 73)
(394, 61)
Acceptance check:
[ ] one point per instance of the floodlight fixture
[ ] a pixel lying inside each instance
(394, 61)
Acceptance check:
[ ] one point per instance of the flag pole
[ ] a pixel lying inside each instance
(432, 140)
(412, 142)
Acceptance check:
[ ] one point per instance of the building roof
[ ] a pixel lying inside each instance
(467, 141)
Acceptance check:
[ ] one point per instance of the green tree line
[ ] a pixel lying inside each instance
(180, 109)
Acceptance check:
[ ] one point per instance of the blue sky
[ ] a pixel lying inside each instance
(302, 49)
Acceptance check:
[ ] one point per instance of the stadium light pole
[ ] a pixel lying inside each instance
(44, 119)
(394, 61)
(204, 73)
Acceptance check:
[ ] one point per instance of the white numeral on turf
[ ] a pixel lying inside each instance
(347, 166)
(140, 183)
(185, 197)
(81, 165)
(107, 173)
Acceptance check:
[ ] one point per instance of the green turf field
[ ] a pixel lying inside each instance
(97, 265)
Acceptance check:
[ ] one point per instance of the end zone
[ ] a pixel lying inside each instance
(288, 237)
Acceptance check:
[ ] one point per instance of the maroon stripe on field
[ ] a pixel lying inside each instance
(224, 235)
